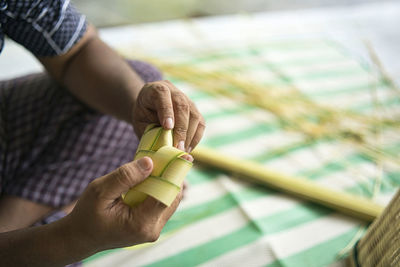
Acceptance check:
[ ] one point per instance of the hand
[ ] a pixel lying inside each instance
(161, 102)
(105, 222)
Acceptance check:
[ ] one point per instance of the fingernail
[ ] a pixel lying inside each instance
(144, 164)
(189, 149)
(168, 123)
(181, 145)
(190, 158)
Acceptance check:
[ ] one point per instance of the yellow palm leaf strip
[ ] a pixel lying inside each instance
(169, 169)
(355, 206)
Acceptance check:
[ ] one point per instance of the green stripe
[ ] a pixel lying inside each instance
(309, 75)
(328, 74)
(394, 178)
(281, 221)
(214, 207)
(211, 208)
(210, 250)
(198, 95)
(286, 219)
(321, 254)
(238, 136)
(199, 175)
(251, 232)
(255, 49)
(272, 154)
(99, 255)
(362, 107)
(332, 166)
(329, 57)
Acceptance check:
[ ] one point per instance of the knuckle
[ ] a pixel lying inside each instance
(196, 139)
(180, 130)
(182, 106)
(125, 172)
(147, 233)
(167, 81)
(165, 109)
(202, 124)
(94, 188)
(153, 237)
(195, 116)
(181, 102)
(159, 88)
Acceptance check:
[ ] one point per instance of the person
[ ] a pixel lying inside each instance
(78, 121)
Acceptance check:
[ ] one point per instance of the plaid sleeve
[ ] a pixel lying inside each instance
(44, 27)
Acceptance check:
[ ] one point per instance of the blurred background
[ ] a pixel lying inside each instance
(104, 13)
(305, 87)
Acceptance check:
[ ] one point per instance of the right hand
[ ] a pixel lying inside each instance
(162, 103)
(105, 221)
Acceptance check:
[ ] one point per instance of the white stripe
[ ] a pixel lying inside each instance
(268, 205)
(283, 244)
(215, 188)
(199, 233)
(211, 105)
(265, 142)
(310, 158)
(204, 231)
(343, 101)
(30, 10)
(188, 89)
(261, 250)
(37, 27)
(11, 15)
(280, 57)
(64, 8)
(320, 85)
(298, 239)
(305, 69)
(76, 34)
(44, 11)
(48, 38)
(254, 254)
(227, 125)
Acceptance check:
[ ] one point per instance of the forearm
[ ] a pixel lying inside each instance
(98, 76)
(103, 80)
(55, 244)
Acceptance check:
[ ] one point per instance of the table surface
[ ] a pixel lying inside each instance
(223, 220)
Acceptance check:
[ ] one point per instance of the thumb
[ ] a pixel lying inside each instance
(125, 177)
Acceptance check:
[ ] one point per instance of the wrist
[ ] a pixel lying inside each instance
(76, 241)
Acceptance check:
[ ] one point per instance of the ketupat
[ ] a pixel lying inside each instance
(169, 168)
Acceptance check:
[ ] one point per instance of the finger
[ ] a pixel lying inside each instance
(155, 209)
(192, 127)
(182, 114)
(125, 177)
(171, 209)
(144, 118)
(188, 157)
(184, 189)
(197, 136)
(164, 106)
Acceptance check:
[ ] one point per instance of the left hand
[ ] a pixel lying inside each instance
(102, 220)
(162, 103)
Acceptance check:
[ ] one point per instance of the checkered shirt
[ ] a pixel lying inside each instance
(44, 27)
(52, 145)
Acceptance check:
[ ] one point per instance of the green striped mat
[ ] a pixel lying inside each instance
(224, 221)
